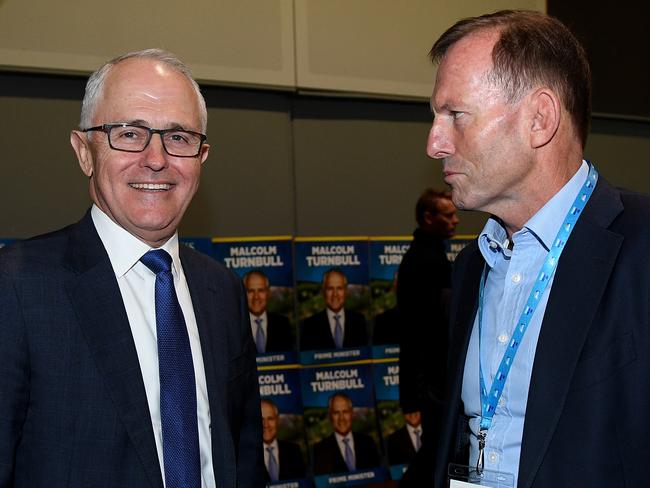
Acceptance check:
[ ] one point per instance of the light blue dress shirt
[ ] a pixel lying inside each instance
(509, 282)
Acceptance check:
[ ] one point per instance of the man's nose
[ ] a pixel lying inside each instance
(155, 155)
(439, 144)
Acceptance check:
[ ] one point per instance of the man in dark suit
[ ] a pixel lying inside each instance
(271, 331)
(283, 459)
(404, 443)
(334, 327)
(126, 359)
(423, 293)
(344, 450)
(570, 298)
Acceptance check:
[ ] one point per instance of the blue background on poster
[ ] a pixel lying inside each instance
(356, 478)
(201, 244)
(454, 246)
(349, 256)
(328, 356)
(386, 377)
(282, 386)
(4, 242)
(273, 256)
(385, 257)
(357, 376)
(290, 484)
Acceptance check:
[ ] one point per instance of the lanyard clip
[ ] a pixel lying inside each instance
(482, 434)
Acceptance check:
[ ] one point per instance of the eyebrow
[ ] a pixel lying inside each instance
(171, 125)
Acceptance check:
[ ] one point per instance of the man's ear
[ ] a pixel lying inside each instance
(428, 217)
(80, 144)
(205, 149)
(546, 110)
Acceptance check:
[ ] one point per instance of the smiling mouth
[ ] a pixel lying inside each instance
(151, 186)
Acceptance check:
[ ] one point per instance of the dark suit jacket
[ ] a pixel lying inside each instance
(399, 447)
(423, 275)
(72, 400)
(279, 335)
(590, 387)
(328, 458)
(291, 462)
(316, 333)
(387, 325)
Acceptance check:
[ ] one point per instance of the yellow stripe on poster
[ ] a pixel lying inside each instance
(251, 239)
(331, 238)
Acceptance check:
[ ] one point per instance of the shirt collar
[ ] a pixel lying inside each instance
(123, 248)
(273, 444)
(262, 316)
(331, 314)
(544, 225)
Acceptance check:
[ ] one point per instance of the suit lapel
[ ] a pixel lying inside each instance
(100, 311)
(579, 284)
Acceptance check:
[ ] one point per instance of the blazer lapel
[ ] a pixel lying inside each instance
(578, 286)
(102, 317)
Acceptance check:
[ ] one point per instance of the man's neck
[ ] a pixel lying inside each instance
(516, 212)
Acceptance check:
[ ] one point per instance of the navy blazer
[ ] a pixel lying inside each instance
(317, 334)
(399, 447)
(73, 408)
(292, 465)
(590, 387)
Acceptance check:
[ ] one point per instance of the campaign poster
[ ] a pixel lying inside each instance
(340, 419)
(265, 265)
(385, 257)
(201, 244)
(333, 298)
(456, 244)
(399, 447)
(283, 432)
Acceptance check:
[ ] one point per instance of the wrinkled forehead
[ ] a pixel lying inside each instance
(467, 63)
(138, 87)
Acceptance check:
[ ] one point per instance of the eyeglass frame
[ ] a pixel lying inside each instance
(106, 129)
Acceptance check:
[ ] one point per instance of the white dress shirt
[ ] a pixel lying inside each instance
(414, 436)
(137, 285)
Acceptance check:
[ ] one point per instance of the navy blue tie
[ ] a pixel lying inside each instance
(180, 432)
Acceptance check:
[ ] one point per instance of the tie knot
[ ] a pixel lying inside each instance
(337, 317)
(157, 260)
(346, 440)
(258, 321)
(270, 449)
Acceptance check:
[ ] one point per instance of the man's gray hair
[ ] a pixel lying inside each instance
(96, 81)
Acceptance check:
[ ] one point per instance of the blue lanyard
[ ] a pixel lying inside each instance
(489, 402)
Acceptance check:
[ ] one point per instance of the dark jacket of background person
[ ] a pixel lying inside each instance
(424, 280)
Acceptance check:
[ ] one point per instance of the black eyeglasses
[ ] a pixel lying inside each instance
(136, 138)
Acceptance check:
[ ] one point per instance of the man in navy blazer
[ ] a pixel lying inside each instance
(512, 109)
(277, 334)
(287, 456)
(318, 331)
(329, 453)
(79, 379)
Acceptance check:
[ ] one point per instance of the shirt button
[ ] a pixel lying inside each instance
(493, 457)
(516, 278)
(503, 338)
